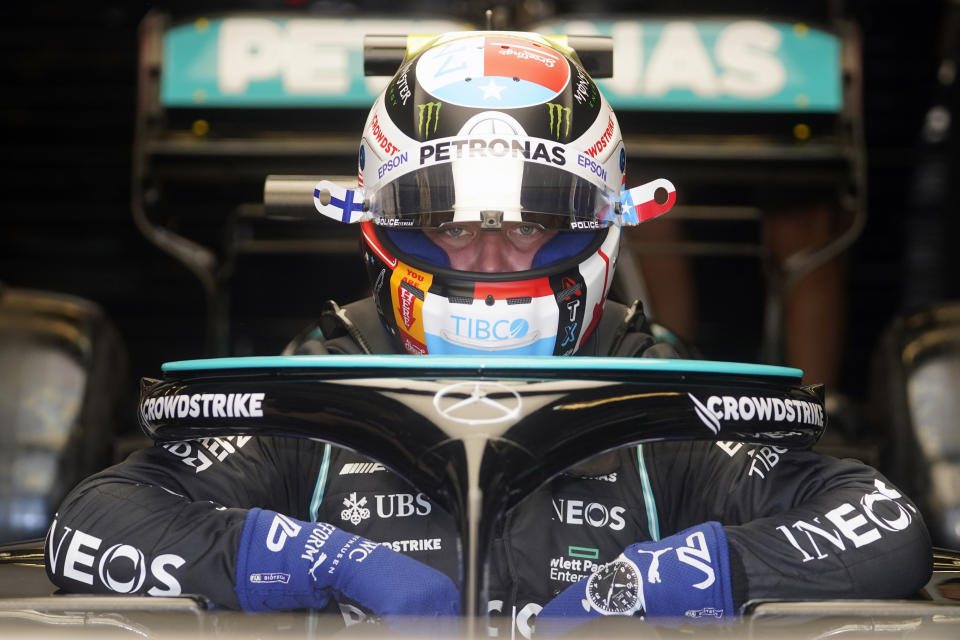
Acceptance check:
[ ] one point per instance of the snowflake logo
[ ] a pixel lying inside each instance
(355, 512)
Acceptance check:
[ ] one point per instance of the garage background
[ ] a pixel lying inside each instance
(68, 85)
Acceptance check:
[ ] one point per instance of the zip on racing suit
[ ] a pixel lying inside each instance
(798, 524)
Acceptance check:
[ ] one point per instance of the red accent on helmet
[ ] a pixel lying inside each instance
(412, 345)
(547, 68)
(651, 209)
(370, 237)
(597, 308)
(518, 289)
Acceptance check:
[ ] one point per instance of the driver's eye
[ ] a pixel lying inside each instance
(525, 229)
(454, 232)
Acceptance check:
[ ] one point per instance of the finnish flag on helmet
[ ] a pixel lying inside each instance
(338, 202)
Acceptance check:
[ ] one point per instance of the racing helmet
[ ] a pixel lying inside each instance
(483, 133)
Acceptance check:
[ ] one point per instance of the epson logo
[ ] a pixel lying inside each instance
(481, 329)
(206, 405)
(592, 166)
(391, 164)
(121, 568)
(593, 514)
(739, 408)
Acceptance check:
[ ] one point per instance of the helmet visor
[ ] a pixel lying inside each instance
(520, 191)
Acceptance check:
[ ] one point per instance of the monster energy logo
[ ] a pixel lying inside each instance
(432, 110)
(558, 113)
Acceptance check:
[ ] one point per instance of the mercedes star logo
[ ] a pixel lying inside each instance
(478, 402)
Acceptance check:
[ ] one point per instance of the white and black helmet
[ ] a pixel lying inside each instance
(496, 128)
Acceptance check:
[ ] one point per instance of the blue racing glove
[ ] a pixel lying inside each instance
(685, 577)
(284, 564)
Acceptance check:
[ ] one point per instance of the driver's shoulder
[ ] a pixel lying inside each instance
(348, 471)
(343, 330)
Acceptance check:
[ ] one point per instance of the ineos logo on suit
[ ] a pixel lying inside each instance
(594, 514)
(83, 561)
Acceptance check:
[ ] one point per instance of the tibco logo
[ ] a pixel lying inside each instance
(480, 329)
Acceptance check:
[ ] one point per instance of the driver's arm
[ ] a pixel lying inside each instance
(798, 524)
(739, 522)
(168, 520)
(225, 518)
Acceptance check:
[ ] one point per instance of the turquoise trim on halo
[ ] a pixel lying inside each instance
(550, 363)
(321, 484)
(653, 523)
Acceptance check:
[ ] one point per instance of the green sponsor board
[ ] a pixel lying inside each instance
(730, 65)
(717, 65)
(257, 61)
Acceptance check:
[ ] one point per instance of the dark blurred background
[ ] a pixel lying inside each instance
(69, 90)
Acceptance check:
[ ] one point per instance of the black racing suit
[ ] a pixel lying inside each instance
(799, 524)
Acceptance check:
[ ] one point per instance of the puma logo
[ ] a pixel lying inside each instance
(653, 571)
(316, 564)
